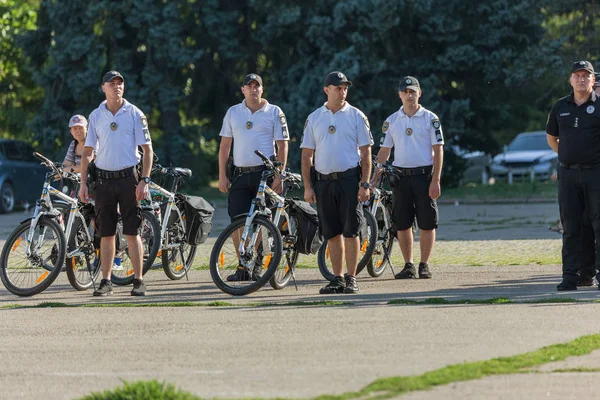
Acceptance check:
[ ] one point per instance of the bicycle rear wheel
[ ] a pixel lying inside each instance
(240, 275)
(150, 234)
(367, 239)
(25, 275)
(80, 276)
(290, 257)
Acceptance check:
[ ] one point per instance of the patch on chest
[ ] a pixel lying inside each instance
(409, 131)
(590, 109)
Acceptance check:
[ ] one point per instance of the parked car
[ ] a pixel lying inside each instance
(528, 153)
(21, 175)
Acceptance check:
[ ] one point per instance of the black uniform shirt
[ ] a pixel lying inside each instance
(577, 128)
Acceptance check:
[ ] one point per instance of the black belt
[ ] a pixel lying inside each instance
(580, 166)
(123, 173)
(246, 170)
(414, 171)
(338, 175)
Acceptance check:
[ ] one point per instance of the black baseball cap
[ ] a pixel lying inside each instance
(409, 82)
(110, 75)
(336, 78)
(252, 77)
(585, 65)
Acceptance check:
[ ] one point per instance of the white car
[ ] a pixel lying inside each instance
(528, 156)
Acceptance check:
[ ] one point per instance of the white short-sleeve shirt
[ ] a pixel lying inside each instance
(412, 137)
(117, 149)
(254, 131)
(336, 137)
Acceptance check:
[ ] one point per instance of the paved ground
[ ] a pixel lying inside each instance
(300, 351)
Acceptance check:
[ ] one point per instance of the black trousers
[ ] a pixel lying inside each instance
(578, 199)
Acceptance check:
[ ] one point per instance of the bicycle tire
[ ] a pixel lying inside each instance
(150, 235)
(17, 238)
(217, 256)
(171, 261)
(367, 237)
(381, 255)
(290, 258)
(77, 268)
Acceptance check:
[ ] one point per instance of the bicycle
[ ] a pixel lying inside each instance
(41, 241)
(177, 255)
(252, 245)
(381, 209)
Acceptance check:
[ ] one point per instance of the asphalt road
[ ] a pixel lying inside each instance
(286, 350)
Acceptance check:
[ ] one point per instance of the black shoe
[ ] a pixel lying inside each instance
(240, 275)
(139, 288)
(585, 281)
(335, 286)
(351, 286)
(105, 288)
(409, 272)
(566, 286)
(424, 271)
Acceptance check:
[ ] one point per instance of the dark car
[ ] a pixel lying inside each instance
(21, 175)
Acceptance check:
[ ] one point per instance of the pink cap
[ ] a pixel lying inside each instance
(77, 120)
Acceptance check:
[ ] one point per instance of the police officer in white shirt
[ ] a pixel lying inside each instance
(337, 137)
(116, 129)
(254, 124)
(415, 133)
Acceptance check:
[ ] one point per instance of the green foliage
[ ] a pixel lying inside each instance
(489, 71)
(143, 390)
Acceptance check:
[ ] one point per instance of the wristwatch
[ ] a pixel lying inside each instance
(146, 179)
(365, 185)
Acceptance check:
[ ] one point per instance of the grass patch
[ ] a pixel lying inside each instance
(386, 388)
(326, 303)
(495, 300)
(580, 369)
(503, 191)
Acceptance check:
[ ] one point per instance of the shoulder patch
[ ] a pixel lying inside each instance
(282, 119)
(305, 124)
(436, 124)
(385, 127)
(364, 117)
(144, 120)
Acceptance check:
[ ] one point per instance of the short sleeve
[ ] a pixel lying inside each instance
(70, 156)
(435, 130)
(91, 139)
(281, 126)
(226, 129)
(387, 140)
(142, 133)
(363, 130)
(308, 137)
(552, 122)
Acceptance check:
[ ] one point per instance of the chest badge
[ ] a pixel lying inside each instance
(249, 125)
(409, 131)
(113, 126)
(331, 129)
(590, 109)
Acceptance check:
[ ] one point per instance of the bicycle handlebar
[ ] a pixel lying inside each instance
(55, 168)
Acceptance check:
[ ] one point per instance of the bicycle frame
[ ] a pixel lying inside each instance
(165, 218)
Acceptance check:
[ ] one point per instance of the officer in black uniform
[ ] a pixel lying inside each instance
(574, 123)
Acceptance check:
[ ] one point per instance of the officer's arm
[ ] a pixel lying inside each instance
(383, 155)
(365, 163)
(552, 142)
(224, 149)
(86, 158)
(307, 162)
(282, 152)
(148, 157)
(438, 159)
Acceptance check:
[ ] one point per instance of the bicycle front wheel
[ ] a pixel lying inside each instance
(28, 275)
(289, 259)
(367, 235)
(150, 235)
(237, 274)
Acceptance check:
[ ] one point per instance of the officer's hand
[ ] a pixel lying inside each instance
(310, 196)
(83, 193)
(277, 185)
(363, 194)
(434, 190)
(141, 192)
(223, 185)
